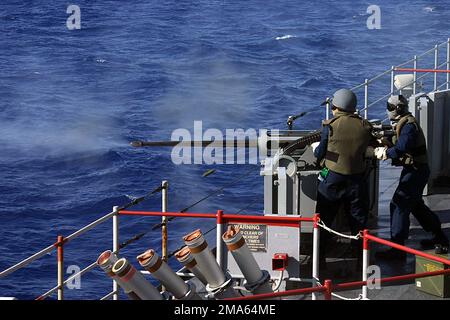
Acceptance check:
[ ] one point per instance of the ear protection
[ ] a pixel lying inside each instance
(397, 104)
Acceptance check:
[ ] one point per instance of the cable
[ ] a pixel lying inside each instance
(302, 142)
(159, 225)
(215, 192)
(140, 199)
(171, 254)
(133, 203)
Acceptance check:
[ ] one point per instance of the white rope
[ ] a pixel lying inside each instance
(317, 281)
(342, 297)
(345, 298)
(241, 289)
(322, 225)
(280, 280)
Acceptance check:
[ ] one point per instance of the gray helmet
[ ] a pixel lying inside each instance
(344, 100)
(397, 105)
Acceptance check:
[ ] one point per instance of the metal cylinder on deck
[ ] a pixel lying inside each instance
(257, 279)
(135, 280)
(207, 263)
(153, 263)
(185, 257)
(219, 284)
(106, 261)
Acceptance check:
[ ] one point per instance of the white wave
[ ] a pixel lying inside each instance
(363, 14)
(100, 60)
(429, 9)
(288, 36)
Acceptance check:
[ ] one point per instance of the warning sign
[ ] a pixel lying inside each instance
(255, 235)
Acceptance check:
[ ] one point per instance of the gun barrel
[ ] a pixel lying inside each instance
(202, 143)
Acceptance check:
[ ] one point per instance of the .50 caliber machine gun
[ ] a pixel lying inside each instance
(383, 132)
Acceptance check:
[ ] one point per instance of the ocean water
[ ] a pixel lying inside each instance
(72, 100)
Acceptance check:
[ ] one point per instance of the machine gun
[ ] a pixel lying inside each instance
(245, 143)
(288, 166)
(382, 132)
(268, 141)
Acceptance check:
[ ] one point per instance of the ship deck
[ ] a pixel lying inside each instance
(337, 268)
(342, 268)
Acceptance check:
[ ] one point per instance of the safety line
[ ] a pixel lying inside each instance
(323, 226)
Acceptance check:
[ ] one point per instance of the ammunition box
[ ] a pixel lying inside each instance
(435, 285)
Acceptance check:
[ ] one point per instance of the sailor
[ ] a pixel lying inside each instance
(409, 150)
(341, 152)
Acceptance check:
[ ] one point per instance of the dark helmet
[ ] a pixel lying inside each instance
(344, 100)
(397, 105)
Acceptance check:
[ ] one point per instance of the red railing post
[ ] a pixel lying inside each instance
(60, 260)
(365, 263)
(219, 244)
(115, 247)
(316, 252)
(328, 289)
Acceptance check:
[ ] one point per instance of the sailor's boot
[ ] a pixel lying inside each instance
(439, 242)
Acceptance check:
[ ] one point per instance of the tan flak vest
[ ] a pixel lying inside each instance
(419, 153)
(349, 136)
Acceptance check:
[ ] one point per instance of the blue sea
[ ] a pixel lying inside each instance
(72, 100)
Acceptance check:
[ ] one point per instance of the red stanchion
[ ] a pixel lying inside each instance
(328, 289)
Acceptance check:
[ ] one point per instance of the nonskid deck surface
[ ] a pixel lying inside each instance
(343, 270)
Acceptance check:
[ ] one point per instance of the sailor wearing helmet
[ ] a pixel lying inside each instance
(409, 150)
(342, 152)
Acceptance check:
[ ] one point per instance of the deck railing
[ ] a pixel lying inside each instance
(221, 220)
(327, 288)
(62, 241)
(414, 62)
